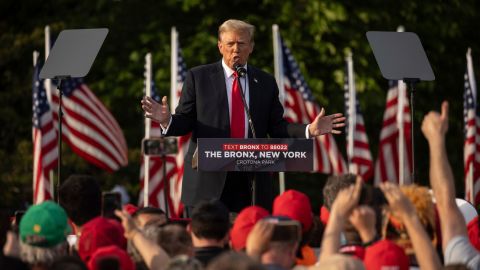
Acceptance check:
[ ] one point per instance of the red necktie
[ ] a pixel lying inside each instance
(237, 120)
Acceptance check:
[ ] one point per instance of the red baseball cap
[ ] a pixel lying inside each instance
(353, 250)
(244, 223)
(295, 205)
(124, 261)
(100, 232)
(130, 208)
(385, 253)
(474, 233)
(324, 214)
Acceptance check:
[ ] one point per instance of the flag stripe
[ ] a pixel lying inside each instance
(300, 107)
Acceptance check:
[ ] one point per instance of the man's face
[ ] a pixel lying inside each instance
(235, 47)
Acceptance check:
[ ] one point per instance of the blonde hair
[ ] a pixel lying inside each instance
(237, 26)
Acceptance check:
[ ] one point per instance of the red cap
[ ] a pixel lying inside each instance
(474, 233)
(124, 261)
(295, 205)
(100, 232)
(384, 254)
(354, 250)
(244, 223)
(130, 208)
(324, 214)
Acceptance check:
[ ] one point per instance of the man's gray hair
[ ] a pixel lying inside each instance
(42, 255)
(236, 26)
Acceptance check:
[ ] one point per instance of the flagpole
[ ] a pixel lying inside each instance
(48, 89)
(352, 115)
(401, 130)
(35, 59)
(473, 88)
(278, 66)
(401, 86)
(146, 159)
(173, 67)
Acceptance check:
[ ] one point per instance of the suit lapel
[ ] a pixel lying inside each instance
(218, 81)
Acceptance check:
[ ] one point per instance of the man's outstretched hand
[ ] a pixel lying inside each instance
(156, 111)
(326, 124)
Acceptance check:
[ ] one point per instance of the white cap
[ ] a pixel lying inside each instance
(468, 210)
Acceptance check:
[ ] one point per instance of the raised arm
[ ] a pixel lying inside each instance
(434, 127)
(153, 255)
(343, 205)
(425, 252)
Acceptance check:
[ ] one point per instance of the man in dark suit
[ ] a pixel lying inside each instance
(211, 107)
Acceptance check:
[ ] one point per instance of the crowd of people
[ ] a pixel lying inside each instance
(358, 227)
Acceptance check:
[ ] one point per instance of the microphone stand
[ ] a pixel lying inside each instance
(241, 74)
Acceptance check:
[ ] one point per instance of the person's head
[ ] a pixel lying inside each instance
(295, 205)
(235, 41)
(385, 254)
(110, 257)
(210, 220)
(284, 242)
(234, 261)
(175, 240)
(100, 232)
(339, 262)
(421, 199)
(184, 262)
(281, 253)
(43, 230)
(151, 232)
(81, 197)
(68, 263)
(149, 216)
(246, 219)
(334, 184)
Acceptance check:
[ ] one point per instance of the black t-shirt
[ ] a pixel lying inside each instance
(206, 254)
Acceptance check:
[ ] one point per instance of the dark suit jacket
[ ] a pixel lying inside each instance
(203, 110)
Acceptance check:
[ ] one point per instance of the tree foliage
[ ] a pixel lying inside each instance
(319, 34)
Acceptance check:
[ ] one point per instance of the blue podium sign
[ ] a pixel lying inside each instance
(267, 155)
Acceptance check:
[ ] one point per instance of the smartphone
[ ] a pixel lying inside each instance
(159, 146)
(16, 220)
(286, 230)
(111, 201)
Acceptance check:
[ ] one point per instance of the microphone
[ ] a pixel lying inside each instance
(241, 71)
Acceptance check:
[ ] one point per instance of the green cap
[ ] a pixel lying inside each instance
(44, 225)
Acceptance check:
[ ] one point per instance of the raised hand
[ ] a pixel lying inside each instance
(326, 124)
(399, 203)
(347, 199)
(435, 125)
(258, 239)
(156, 111)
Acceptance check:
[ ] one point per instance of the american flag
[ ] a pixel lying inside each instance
(89, 128)
(395, 138)
(179, 72)
(358, 150)
(156, 194)
(45, 150)
(300, 107)
(472, 132)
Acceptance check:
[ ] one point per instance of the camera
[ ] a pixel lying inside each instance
(159, 146)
